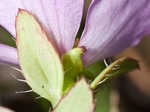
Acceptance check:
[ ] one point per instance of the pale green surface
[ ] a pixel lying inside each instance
(39, 60)
(79, 99)
(73, 67)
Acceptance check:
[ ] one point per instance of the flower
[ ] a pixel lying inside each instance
(110, 27)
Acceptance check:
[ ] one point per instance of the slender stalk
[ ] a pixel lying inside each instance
(106, 71)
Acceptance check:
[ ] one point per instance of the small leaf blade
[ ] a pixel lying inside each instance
(78, 99)
(38, 58)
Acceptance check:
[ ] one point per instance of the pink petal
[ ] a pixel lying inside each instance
(113, 25)
(8, 11)
(8, 54)
(60, 18)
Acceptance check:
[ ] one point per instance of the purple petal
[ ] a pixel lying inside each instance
(64, 19)
(60, 18)
(113, 25)
(8, 54)
(8, 12)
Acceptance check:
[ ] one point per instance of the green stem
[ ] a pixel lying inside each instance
(106, 71)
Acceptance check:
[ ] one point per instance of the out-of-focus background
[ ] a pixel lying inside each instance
(129, 92)
(134, 87)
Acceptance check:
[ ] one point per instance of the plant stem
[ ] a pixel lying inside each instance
(106, 71)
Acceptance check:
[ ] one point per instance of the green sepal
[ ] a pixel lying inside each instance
(39, 60)
(73, 66)
(78, 99)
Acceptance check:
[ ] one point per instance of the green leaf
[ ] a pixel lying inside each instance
(38, 58)
(102, 94)
(6, 38)
(78, 99)
(119, 66)
(95, 69)
(72, 66)
(103, 97)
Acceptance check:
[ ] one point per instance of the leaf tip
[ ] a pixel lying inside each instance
(78, 84)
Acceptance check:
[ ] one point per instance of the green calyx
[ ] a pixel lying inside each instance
(73, 67)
